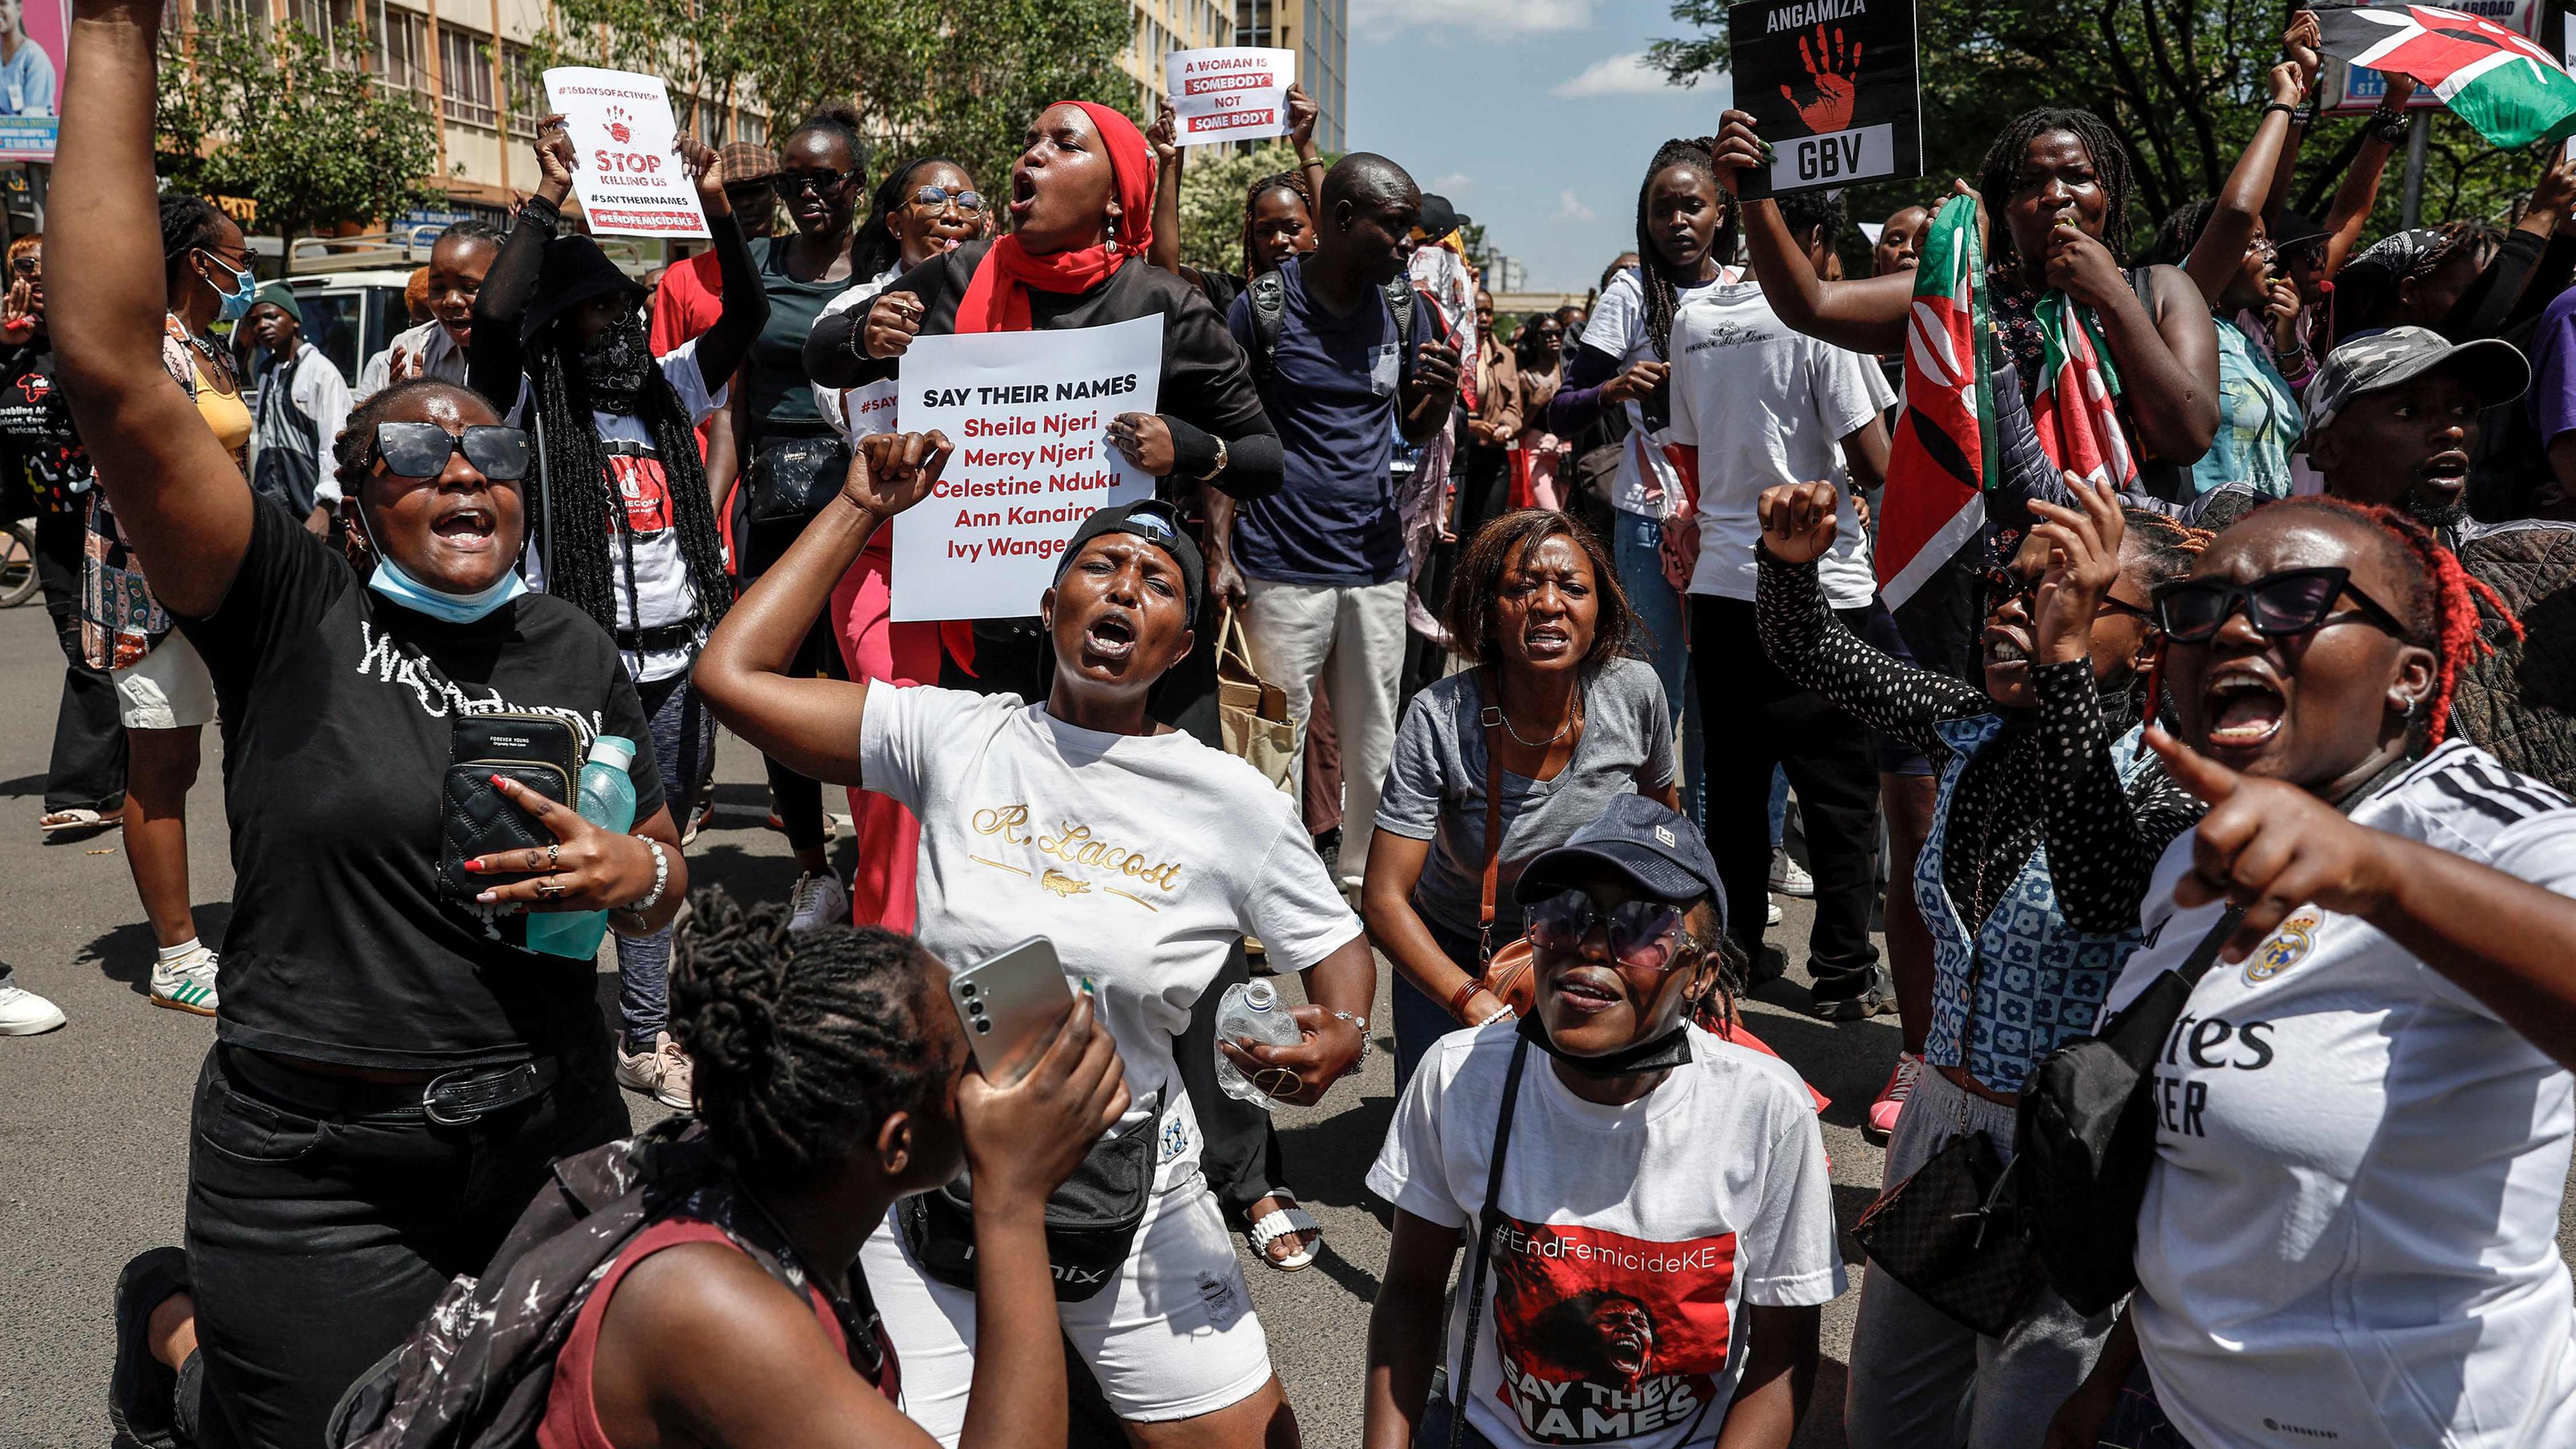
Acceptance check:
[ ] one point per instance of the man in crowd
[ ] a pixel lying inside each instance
(436, 348)
(303, 404)
(1320, 567)
(2392, 418)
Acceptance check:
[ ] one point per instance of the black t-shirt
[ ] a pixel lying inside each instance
(338, 709)
(39, 451)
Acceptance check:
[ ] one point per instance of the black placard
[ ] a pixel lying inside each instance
(1833, 85)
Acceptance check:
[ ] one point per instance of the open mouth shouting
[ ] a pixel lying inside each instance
(2242, 707)
(2445, 473)
(1024, 192)
(466, 526)
(2007, 648)
(1547, 641)
(1110, 636)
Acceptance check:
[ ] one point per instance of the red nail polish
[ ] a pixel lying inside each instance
(474, 865)
(497, 782)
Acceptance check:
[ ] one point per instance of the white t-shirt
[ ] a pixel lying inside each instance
(664, 592)
(1144, 858)
(1767, 405)
(857, 412)
(428, 344)
(1617, 326)
(2350, 1234)
(1633, 1237)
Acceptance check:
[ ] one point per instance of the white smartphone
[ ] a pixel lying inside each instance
(1011, 1005)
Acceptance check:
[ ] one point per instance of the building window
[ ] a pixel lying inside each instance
(242, 12)
(465, 68)
(523, 90)
(1253, 23)
(711, 123)
(753, 129)
(398, 49)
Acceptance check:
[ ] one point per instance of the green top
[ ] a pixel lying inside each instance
(780, 390)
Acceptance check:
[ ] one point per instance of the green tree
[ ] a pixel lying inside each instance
(286, 119)
(2181, 80)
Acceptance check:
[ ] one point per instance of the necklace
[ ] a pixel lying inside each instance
(1573, 713)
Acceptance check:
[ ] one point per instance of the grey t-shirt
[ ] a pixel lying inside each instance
(1435, 787)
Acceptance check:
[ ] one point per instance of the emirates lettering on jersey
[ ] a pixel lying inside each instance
(645, 490)
(1604, 1337)
(2216, 1044)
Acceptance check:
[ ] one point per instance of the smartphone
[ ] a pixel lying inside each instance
(1011, 1005)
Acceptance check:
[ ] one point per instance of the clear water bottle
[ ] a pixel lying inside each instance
(607, 801)
(1252, 1011)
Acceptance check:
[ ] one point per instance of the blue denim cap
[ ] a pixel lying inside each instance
(1642, 839)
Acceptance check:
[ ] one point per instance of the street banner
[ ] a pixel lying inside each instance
(1029, 413)
(1231, 93)
(2350, 90)
(1833, 85)
(2509, 90)
(31, 79)
(627, 172)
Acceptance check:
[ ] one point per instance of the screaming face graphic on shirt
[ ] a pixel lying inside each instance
(1604, 1337)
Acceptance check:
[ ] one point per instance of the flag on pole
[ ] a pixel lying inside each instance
(1931, 546)
(2509, 90)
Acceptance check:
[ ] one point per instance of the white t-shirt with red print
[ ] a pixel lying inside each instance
(664, 593)
(1633, 1237)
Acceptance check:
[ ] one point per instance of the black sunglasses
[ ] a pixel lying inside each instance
(2293, 601)
(823, 179)
(421, 450)
(939, 196)
(1645, 934)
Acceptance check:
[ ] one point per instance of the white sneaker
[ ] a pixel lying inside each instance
(818, 900)
(1771, 913)
(663, 1074)
(187, 984)
(1789, 878)
(24, 1013)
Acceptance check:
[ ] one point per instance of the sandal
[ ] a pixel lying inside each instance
(1288, 1221)
(56, 821)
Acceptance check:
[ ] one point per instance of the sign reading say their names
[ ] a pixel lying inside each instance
(628, 171)
(1232, 93)
(1029, 413)
(1834, 86)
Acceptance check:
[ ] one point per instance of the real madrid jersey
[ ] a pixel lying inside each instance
(2350, 1234)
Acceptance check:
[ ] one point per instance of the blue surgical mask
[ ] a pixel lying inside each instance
(396, 583)
(245, 291)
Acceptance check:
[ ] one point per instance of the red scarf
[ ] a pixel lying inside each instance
(997, 296)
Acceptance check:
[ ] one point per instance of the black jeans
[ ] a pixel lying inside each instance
(1752, 718)
(1238, 1146)
(317, 1242)
(88, 767)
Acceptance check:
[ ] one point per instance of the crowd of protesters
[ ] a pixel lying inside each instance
(2226, 745)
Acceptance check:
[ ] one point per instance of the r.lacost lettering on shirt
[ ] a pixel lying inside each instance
(1108, 865)
(1604, 1337)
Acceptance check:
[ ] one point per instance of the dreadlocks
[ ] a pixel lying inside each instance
(1288, 181)
(2001, 170)
(804, 1042)
(1659, 282)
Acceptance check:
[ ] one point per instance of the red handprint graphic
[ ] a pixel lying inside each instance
(1831, 65)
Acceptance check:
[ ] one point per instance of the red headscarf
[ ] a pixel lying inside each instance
(997, 297)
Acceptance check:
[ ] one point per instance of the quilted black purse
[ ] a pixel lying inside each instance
(1950, 1233)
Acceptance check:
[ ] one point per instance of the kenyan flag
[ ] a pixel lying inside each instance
(2510, 90)
(1931, 544)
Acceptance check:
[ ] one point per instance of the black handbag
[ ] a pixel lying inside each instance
(538, 751)
(793, 477)
(1091, 1220)
(1948, 1233)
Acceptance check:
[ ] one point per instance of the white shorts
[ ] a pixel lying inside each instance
(167, 689)
(1171, 1336)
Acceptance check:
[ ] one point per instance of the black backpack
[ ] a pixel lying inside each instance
(1269, 304)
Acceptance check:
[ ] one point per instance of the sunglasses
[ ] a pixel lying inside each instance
(824, 179)
(939, 196)
(2294, 601)
(2003, 586)
(1643, 934)
(421, 450)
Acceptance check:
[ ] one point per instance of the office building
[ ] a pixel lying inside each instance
(1164, 26)
(1319, 31)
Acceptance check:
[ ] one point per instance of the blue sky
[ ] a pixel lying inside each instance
(1534, 116)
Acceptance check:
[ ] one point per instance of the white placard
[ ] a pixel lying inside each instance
(627, 172)
(1231, 93)
(1029, 413)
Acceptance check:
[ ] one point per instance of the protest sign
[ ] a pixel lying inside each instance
(1833, 86)
(627, 168)
(1029, 413)
(1231, 93)
(2348, 90)
(31, 82)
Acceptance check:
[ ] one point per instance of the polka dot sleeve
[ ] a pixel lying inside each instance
(1802, 636)
(2103, 837)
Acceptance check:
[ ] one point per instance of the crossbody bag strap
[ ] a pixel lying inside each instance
(1491, 716)
(1487, 1218)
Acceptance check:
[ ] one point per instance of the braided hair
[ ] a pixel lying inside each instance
(804, 1043)
(1996, 176)
(579, 485)
(1656, 278)
(2181, 231)
(1288, 181)
(874, 249)
(2164, 550)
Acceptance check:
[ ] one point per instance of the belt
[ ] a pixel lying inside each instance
(658, 638)
(1958, 1077)
(451, 1099)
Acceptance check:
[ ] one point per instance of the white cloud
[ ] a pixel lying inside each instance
(1617, 75)
(1489, 19)
(1456, 183)
(1570, 207)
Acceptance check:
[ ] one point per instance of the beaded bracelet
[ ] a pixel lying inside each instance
(661, 879)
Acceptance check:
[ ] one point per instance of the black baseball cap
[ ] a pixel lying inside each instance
(1642, 839)
(1159, 524)
(1438, 217)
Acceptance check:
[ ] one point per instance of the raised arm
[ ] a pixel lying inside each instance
(1166, 249)
(2484, 308)
(183, 507)
(2301, 44)
(812, 725)
(2220, 250)
(2350, 210)
(493, 359)
(1862, 314)
(722, 347)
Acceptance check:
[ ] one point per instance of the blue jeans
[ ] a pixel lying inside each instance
(684, 752)
(1636, 543)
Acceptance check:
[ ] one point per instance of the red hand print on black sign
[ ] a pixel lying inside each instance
(1831, 65)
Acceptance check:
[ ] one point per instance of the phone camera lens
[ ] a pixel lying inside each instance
(983, 1025)
(974, 1008)
(966, 989)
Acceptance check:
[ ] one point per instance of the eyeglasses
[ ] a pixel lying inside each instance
(421, 450)
(823, 179)
(1644, 934)
(2003, 586)
(2293, 601)
(939, 196)
(2259, 248)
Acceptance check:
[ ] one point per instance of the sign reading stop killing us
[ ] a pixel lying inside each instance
(1232, 93)
(1833, 86)
(628, 172)
(1029, 413)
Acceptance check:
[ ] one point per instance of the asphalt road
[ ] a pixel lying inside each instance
(93, 1117)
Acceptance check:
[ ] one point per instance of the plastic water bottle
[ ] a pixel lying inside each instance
(607, 801)
(1252, 1011)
